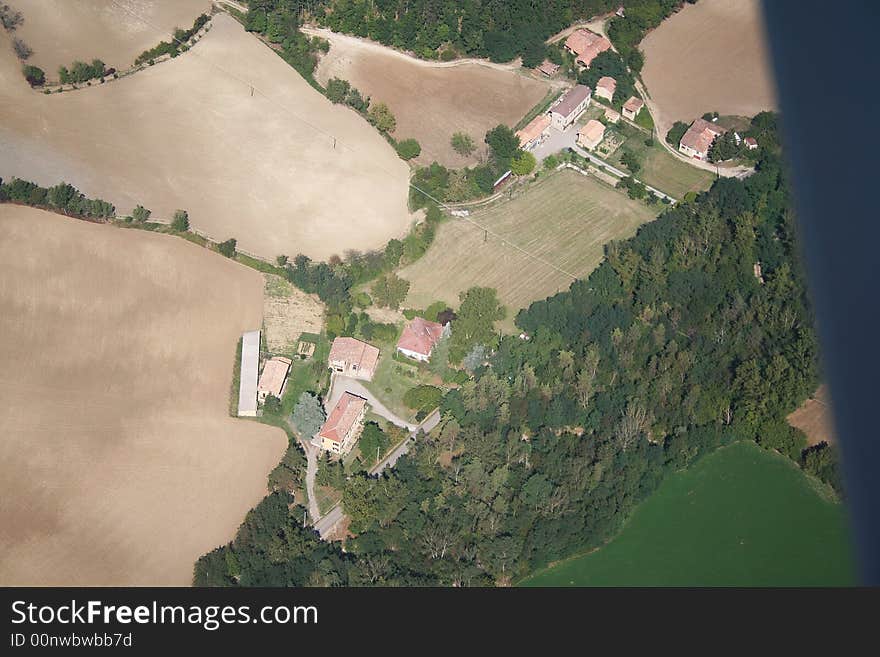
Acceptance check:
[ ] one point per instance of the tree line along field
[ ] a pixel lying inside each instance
(564, 218)
(120, 465)
(740, 517)
(61, 31)
(432, 101)
(187, 133)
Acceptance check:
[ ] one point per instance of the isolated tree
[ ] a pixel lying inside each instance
(408, 149)
(503, 142)
(523, 164)
(462, 144)
(180, 222)
(10, 18)
(479, 311)
(382, 118)
(631, 162)
(140, 214)
(357, 101)
(227, 248)
(337, 89)
(34, 75)
(389, 291)
(272, 405)
(308, 415)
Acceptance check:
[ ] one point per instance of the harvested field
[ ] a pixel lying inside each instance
(431, 100)
(709, 57)
(120, 465)
(288, 312)
(815, 417)
(61, 31)
(187, 133)
(565, 218)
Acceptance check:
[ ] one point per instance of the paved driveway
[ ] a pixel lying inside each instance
(340, 384)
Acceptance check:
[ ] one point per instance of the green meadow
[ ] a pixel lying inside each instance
(742, 516)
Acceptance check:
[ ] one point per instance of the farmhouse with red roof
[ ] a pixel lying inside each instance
(698, 139)
(586, 45)
(353, 358)
(344, 424)
(419, 338)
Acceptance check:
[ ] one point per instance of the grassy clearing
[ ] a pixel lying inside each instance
(564, 218)
(394, 376)
(540, 108)
(659, 168)
(740, 517)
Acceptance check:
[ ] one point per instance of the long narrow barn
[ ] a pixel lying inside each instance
(250, 369)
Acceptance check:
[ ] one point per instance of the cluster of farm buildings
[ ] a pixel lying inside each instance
(585, 46)
(348, 357)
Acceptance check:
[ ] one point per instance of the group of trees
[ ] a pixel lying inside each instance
(173, 47)
(62, 198)
(670, 349)
(279, 21)
(611, 64)
(81, 72)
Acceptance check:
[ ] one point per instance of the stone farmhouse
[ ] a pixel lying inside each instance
(344, 424)
(586, 46)
(419, 338)
(353, 358)
(698, 139)
(569, 107)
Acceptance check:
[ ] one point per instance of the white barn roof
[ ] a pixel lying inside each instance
(250, 369)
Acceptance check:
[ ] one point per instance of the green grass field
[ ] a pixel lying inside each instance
(740, 517)
(564, 218)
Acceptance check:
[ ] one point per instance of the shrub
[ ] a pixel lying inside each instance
(140, 214)
(22, 50)
(462, 143)
(408, 149)
(180, 222)
(227, 248)
(34, 75)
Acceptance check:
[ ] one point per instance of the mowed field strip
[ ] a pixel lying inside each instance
(119, 464)
(431, 101)
(61, 31)
(565, 219)
(185, 134)
(708, 57)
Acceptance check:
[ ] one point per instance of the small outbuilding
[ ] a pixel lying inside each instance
(274, 378)
(605, 88)
(632, 107)
(591, 134)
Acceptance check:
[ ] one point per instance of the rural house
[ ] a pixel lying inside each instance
(248, 371)
(586, 45)
(353, 358)
(632, 107)
(591, 134)
(569, 107)
(344, 424)
(548, 68)
(612, 116)
(605, 88)
(273, 378)
(751, 143)
(535, 132)
(698, 139)
(419, 338)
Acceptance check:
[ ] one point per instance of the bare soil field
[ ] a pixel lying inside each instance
(61, 31)
(708, 57)
(288, 312)
(566, 219)
(432, 100)
(187, 133)
(815, 417)
(118, 462)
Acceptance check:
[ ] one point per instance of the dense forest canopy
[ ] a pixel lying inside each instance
(498, 29)
(671, 348)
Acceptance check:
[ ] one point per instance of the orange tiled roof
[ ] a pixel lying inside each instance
(533, 129)
(351, 350)
(342, 417)
(420, 336)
